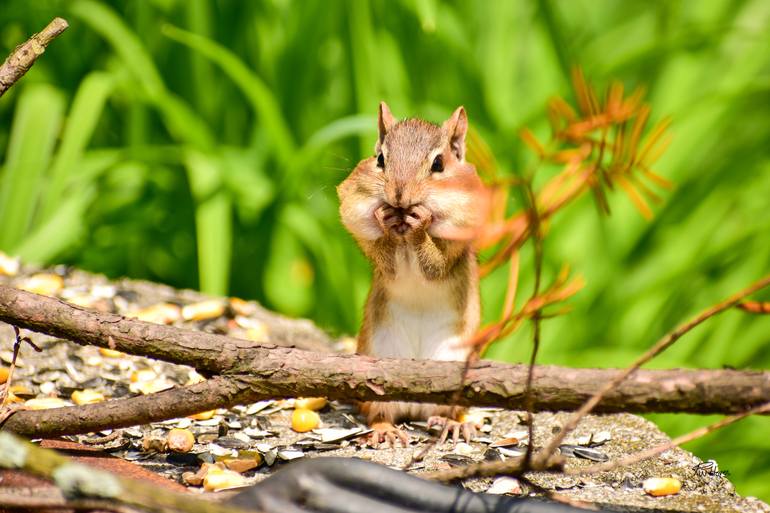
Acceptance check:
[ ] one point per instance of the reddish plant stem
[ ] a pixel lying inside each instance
(655, 350)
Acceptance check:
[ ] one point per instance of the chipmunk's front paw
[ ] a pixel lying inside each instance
(385, 432)
(467, 429)
(418, 218)
(391, 219)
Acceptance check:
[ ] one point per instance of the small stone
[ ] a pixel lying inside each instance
(180, 440)
(46, 388)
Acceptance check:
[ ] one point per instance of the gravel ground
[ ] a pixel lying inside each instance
(256, 439)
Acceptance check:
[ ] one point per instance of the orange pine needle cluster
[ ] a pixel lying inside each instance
(600, 143)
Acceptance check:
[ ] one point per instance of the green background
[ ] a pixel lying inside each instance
(198, 143)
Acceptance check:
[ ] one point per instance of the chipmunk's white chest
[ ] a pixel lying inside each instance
(419, 320)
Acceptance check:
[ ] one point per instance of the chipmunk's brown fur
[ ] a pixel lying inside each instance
(413, 208)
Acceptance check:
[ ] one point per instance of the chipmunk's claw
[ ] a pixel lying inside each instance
(418, 216)
(466, 429)
(385, 432)
(391, 219)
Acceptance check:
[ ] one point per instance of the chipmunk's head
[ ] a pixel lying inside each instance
(415, 162)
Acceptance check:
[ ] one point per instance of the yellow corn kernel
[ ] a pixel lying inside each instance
(87, 396)
(110, 353)
(46, 403)
(204, 415)
(660, 486)
(310, 403)
(218, 479)
(303, 420)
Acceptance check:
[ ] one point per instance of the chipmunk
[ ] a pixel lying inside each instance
(414, 208)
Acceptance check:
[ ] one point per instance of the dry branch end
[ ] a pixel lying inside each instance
(25, 55)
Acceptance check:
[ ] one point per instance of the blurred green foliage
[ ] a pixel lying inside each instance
(198, 143)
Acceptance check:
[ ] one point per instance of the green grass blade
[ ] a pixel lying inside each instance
(179, 118)
(60, 232)
(364, 61)
(213, 221)
(288, 278)
(35, 126)
(86, 110)
(105, 22)
(256, 91)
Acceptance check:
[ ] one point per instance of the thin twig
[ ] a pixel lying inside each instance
(16, 348)
(755, 307)
(25, 55)
(510, 467)
(658, 348)
(556, 496)
(538, 249)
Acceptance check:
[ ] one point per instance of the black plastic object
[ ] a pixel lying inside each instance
(349, 485)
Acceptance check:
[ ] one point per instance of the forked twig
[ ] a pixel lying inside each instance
(16, 348)
(655, 350)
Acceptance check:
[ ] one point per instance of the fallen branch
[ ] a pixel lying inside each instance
(55, 501)
(251, 372)
(25, 55)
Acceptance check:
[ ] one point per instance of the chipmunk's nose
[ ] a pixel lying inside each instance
(394, 193)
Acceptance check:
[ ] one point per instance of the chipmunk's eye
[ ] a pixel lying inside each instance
(438, 164)
(380, 161)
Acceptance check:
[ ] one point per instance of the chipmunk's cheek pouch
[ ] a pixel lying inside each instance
(452, 213)
(359, 217)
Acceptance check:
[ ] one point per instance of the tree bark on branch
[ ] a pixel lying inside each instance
(25, 55)
(250, 372)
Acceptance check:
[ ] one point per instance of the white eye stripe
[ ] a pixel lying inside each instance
(435, 153)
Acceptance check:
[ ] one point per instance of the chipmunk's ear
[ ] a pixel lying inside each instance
(385, 122)
(457, 126)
